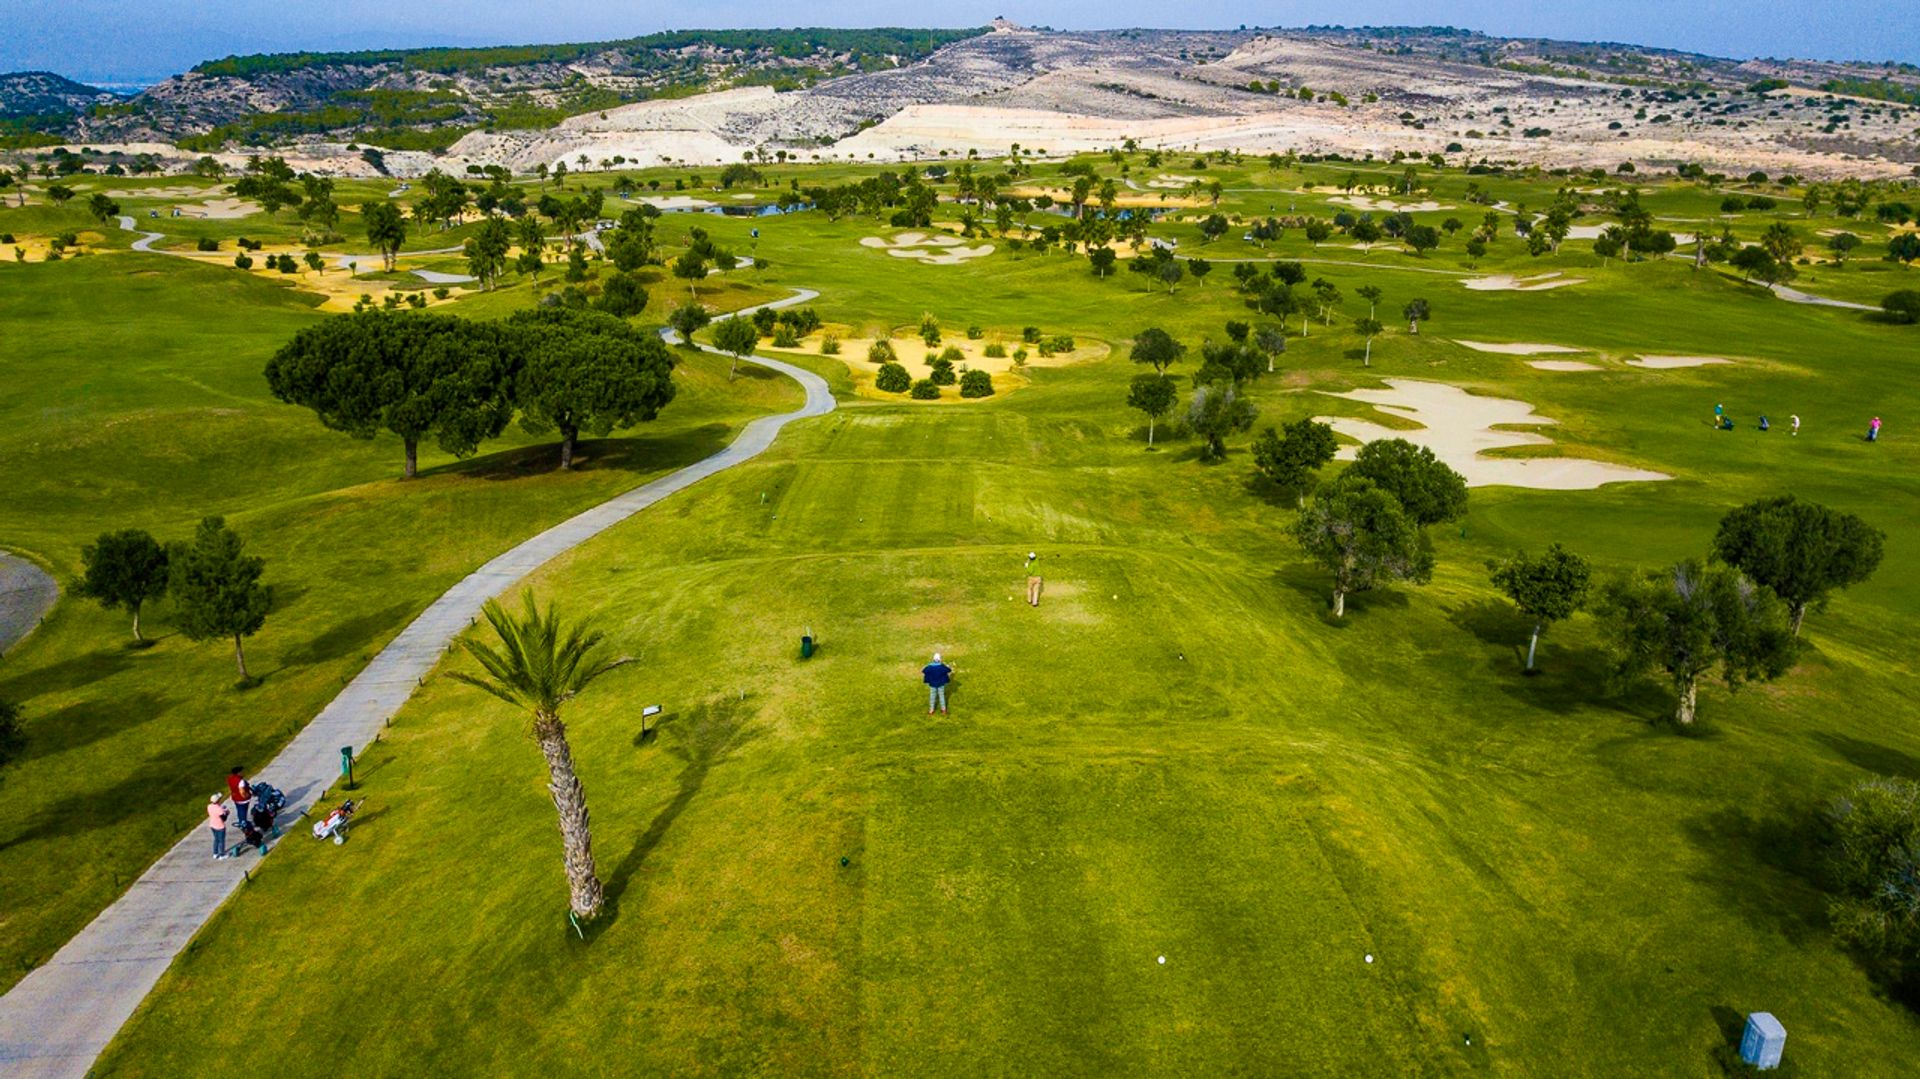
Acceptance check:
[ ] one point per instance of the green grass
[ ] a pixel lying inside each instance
(1177, 754)
(143, 405)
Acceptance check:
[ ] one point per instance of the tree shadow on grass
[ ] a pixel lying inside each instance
(1766, 866)
(346, 637)
(72, 673)
(1871, 756)
(83, 723)
(639, 454)
(129, 801)
(705, 736)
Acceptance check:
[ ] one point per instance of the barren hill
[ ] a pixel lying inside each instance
(1420, 91)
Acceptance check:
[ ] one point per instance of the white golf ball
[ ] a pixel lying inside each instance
(1031, 555)
(1163, 960)
(1369, 957)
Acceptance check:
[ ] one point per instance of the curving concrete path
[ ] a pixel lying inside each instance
(58, 1019)
(27, 593)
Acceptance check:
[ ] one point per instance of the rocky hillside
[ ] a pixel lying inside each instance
(42, 93)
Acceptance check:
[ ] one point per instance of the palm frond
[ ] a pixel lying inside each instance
(541, 662)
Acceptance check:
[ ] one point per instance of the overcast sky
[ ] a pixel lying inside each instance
(141, 40)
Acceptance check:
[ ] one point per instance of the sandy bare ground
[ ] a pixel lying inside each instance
(1665, 363)
(226, 209)
(27, 247)
(1373, 205)
(1516, 348)
(1509, 283)
(1563, 365)
(1459, 428)
(936, 249)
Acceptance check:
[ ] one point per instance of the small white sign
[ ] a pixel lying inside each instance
(649, 711)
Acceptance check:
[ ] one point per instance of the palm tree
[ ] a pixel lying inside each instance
(542, 664)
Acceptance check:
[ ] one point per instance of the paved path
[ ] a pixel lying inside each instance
(26, 594)
(56, 1021)
(1794, 295)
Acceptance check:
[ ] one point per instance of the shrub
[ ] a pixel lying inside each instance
(996, 351)
(1902, 306)
(952, 354)
(206, 244)
(1030, 334)
(942, 372)
(925, 390)
(1875, 836)
(248, 245)
(6, 237)
(975, 333)
(829, 345)
(417, 299)
(1019, 357)
(893, 378)
(929, 329)
(976, 383)
(763, 320)
(882, 352)
(784, 337)
(242, 261)
(1062, 342)
(442, 292)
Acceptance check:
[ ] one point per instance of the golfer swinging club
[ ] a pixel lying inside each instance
(936, 675)
(1033, 581)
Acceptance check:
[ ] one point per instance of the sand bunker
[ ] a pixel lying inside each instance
(1459, 427)
(1563, 365)
(673, 202)
(1518, 348)
(1664, 363)
(1363, 202)
(177, 191)
(220, 209)
(1509, 283)
(1173, 180)
(937, 249)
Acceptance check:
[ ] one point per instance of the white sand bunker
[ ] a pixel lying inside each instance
(1664, 363)
(220, 209)
(1459, 427)
(1515, 348)
(673, 202)
(1563, 365)
(177, 191)
(1363, 202)
(937, 249)
(1507, 282)
(1173, 180)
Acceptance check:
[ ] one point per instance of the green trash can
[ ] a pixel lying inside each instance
(806, 644)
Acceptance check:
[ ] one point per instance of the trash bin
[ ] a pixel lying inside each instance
(806, 646)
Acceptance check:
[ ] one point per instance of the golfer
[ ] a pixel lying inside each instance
(936, 675)
(217, 825)
(1034, 583)
(1796, 423)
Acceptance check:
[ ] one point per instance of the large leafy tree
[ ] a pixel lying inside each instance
(216, 588)
(587, 371)
(737, 337)
(1156, 348)
(1293, 456)
(1359, 533)
(486, 251)
(1547, 589)
(1216, 411)
(542, 663)
(1875, 857)
(412, 374)
(1801, 550)
(1426, 488)
(1689, 620)
(1152, 394)
(124, 569)
(386, 228)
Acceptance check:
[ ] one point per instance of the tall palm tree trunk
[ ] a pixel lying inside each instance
(570, 801)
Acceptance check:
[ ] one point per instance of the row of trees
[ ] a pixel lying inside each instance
(460, 382)
(213, 583)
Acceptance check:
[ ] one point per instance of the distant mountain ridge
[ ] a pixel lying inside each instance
(43, 93)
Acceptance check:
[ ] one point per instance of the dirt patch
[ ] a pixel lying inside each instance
(1460, 427)
(1563, 365)
(1509, 283)
(1667, 363)
(1516, 348)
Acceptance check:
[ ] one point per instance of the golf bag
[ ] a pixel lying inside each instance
(334, 825)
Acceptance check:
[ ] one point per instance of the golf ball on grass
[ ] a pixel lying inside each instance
(1163, 960)
(1369, 957)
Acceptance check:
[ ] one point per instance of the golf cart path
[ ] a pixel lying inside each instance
(26, 594)
(59, 1018)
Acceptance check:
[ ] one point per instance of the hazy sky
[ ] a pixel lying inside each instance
(138, 40)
